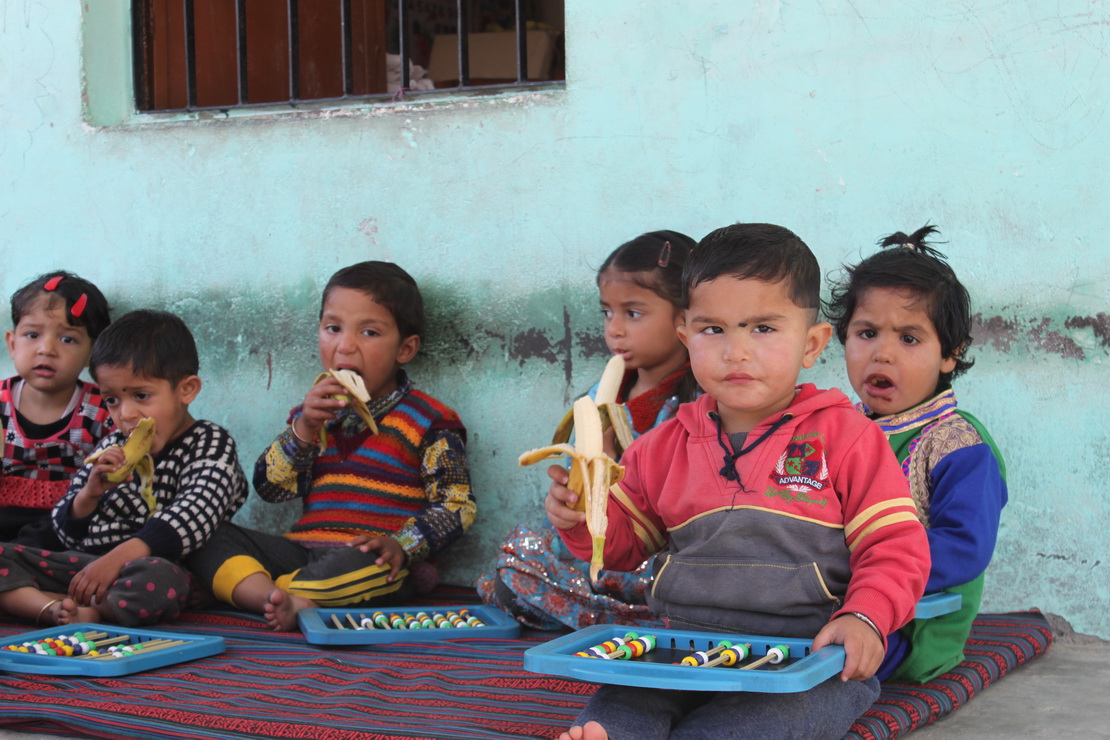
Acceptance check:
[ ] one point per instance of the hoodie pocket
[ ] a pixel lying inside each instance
(785, 589)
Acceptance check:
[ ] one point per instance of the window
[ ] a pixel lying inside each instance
(218, 54)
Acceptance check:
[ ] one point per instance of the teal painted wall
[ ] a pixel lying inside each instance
(843, 121)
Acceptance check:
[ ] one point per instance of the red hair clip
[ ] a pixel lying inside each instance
(665, 255)
(79, 305)
(52, 283)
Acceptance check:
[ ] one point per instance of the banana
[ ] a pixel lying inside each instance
(137, 459)
(592, 473)
(612, 413)
(356, 396)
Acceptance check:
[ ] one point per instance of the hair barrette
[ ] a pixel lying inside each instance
(79, 305)
(665, 255)
(52, 283)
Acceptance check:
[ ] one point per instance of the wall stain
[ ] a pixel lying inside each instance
(1099, 324)
(1045, 333)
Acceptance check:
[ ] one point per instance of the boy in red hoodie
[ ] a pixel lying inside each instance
(779, 509)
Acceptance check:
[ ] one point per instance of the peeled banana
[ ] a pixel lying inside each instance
(612, 413)
(357, 396)
(137, 459)
(592, 473)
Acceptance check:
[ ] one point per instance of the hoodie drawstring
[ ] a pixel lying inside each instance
(729, 469)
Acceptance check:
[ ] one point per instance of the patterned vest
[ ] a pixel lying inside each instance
(371, 483)
(36, 472)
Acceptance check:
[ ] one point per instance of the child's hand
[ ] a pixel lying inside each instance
(319, 407)
(91, 583)
(86, 500)
(389, 551)
(863, 649)
(559, 498)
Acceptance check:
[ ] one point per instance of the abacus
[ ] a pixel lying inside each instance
(699, 661)
(88, 649)
(373, 626)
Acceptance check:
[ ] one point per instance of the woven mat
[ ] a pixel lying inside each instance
(277, 685)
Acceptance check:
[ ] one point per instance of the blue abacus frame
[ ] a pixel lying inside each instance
(318, 629)
(198, 646)
(803, 671)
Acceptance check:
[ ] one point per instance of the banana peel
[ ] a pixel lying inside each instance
(357, 396)
(137, 460)
(592, 473)
(613, 414)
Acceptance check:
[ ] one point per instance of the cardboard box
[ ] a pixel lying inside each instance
(492, 56)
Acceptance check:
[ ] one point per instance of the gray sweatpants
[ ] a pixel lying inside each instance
(826, 711)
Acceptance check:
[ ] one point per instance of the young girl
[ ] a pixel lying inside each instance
(536, 579)
(905, 322)
(50, 420)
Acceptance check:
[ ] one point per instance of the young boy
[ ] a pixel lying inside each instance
(50, 420)
(374, 503)
(120, 547)
(782, 509)
(905, 322)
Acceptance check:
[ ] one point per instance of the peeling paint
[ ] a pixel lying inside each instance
(1048, 335)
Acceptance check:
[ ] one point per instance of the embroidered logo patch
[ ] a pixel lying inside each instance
(802, 466)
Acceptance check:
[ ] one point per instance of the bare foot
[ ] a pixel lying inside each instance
(281, 610)
(591, 731)
(67, 611)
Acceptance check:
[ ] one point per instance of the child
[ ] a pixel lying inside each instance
(120, 549)
(537, 580)
(905, 322)
(373, 503)
(782, 510)
(50, 420)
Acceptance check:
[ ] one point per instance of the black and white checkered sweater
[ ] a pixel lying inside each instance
(198, 484)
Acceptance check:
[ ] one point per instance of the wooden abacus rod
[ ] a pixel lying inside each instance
(774, 656)
(731, 656)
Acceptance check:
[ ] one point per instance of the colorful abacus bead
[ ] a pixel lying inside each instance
(455, 620)
(397, 622)
(704, 656)
(441, 621)
(636, 648)
(366, 623)
(411, 622)
(381, 620)
(425, 621)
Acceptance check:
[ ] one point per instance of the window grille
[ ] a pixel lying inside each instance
(192, 55)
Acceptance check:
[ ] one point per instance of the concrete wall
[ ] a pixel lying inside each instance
(843, 121)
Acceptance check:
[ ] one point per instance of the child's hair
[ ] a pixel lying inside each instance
(85, 305)
(764, 252)
(154, 344)
(654, 261)
(387, 284)
(916, 267)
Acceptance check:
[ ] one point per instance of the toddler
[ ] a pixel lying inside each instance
(537, 580)
(50, 419)
(375, 504)
(905, 322)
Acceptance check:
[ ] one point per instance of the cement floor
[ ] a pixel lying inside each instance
(1061, 694)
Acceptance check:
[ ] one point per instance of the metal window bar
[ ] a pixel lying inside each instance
(403, 42)
(521, 43)
(463, 28)
(294, 52)
(241, 49)
(348, 52)
(144, 94)
(190, 54)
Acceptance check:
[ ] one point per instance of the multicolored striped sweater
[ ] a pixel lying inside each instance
(409, 481)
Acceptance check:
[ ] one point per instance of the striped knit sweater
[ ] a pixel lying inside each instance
(409, 481)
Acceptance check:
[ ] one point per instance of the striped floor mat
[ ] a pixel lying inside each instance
(275, 685)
